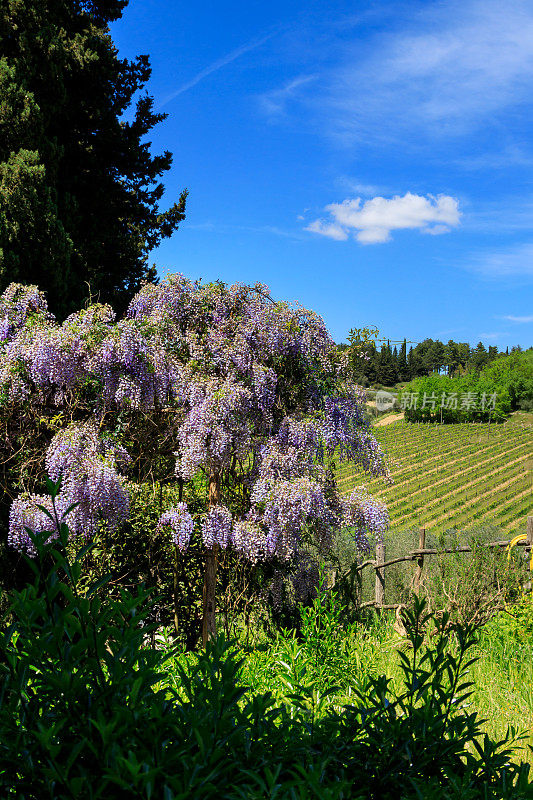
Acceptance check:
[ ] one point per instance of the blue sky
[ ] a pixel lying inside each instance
(371, 161)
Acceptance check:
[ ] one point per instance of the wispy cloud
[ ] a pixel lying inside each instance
(274, 103)
(457, 64)
(523, 320)
(497, 335)
(328, 229)
(512, 156)
(215, 66)
(371, 222)
(223, 227)
(355, 187)
(443, 71)
(514, 262)
(507, 214)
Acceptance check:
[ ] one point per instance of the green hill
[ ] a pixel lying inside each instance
(454, 475)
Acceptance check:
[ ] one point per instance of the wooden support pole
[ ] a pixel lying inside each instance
(380, 575)
(420, 560)
(209, 625)
(529, 545)
(358, 586)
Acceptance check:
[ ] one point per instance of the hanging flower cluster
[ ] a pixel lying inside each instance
(216, 527)
(242, 375)
(364, 513)
(91, 487)
(181, 524)
(26, 515)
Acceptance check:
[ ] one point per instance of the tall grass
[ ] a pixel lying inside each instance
(329, 660)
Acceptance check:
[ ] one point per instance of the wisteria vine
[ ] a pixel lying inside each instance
(246, 379)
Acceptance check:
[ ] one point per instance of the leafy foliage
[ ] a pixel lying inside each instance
(472, 395)
(87, 711)
(79, 188)
(197, 383)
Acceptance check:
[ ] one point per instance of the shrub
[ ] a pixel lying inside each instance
(87, 710)
(473, 393)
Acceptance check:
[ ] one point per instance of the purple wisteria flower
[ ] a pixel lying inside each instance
(216, 527)
(180, 522)
(26, 514)
(240, 379)
(366, 515)
(90, 482)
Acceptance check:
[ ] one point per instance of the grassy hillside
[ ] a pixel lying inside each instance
(454, 475)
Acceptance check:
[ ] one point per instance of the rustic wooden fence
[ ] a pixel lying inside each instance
(380, 564)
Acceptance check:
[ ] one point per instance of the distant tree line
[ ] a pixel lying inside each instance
(369, 364)
(490, 394)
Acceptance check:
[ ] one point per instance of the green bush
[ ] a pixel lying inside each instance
(87, 709)
(512, 627)
(432, 398)
(515, 373)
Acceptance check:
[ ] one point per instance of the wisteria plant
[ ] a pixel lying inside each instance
(246, 390)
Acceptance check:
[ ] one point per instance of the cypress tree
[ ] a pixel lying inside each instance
(403, 368)
(386, 369)
(79, 187)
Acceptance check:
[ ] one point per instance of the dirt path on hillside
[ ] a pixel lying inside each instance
(388, 420)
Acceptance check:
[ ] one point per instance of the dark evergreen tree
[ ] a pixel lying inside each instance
(436, 356)
(371, 366)
(464, 354)
(386, 367)
(423, 357)
(479, 357)
(79, 188)
(415, 363)
(452, 357)
(404, 373)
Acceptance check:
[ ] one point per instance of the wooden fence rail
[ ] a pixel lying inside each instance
(379, 564)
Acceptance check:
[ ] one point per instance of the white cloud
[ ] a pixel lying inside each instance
(514, 262)
(228, 228)
(507, 213)
(442, 69)
(330, 230)
(435, 230)
(356, 188)
(372, 221)
(519, 319)
(510, 156)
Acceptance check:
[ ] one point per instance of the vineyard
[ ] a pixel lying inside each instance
(452, 476)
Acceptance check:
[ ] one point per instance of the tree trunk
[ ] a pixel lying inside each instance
(209, 627)
(175, 593)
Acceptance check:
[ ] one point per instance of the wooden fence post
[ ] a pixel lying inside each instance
(420, 560)
(380, 575)
(529, 539)
(358, 587)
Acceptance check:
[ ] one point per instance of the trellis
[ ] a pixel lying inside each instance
(418, 556)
